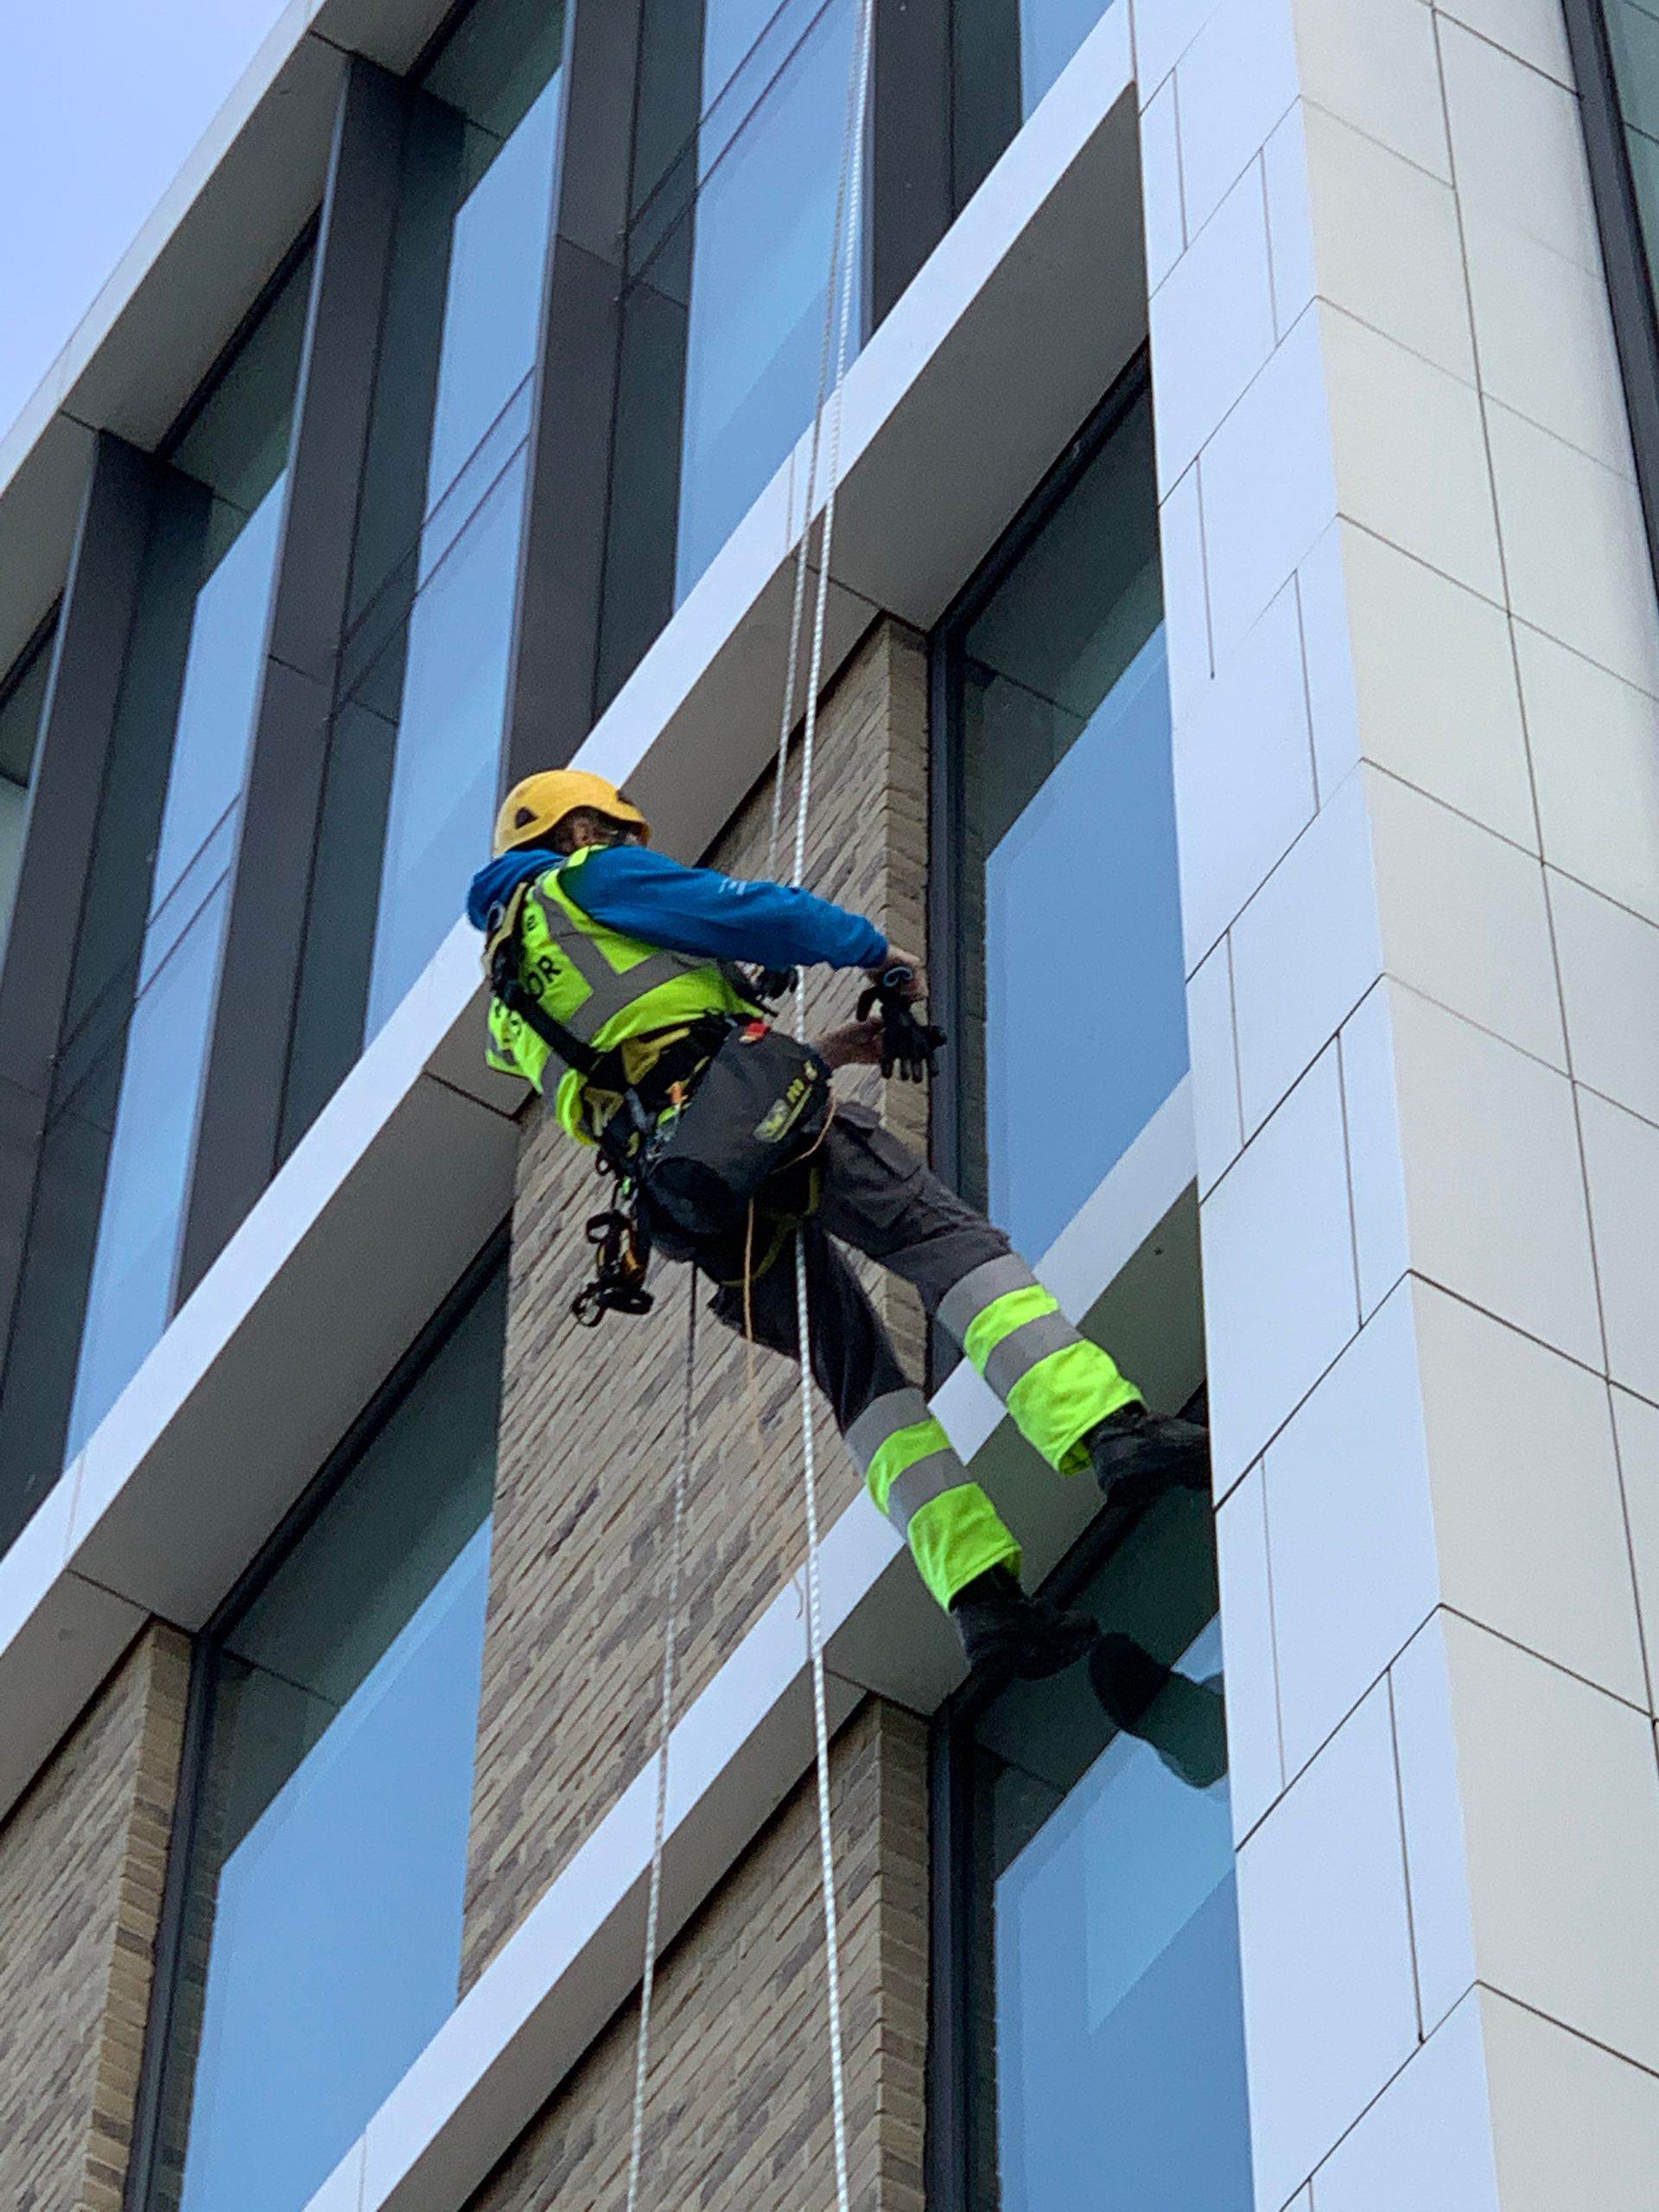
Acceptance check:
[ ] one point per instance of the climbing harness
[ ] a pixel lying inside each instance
(761, 1102)
(623, 1243)
(838, 317)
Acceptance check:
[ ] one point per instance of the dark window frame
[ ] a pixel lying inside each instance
(952, 2152)
(40, 640)
(206, 1646)
(1630, 288)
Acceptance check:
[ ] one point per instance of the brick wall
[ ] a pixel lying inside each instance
(738, 2117)
(82, 1861)
(590, 1422)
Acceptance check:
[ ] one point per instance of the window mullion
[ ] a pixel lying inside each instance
(236, 1140)
(89, 656)
(562, 551)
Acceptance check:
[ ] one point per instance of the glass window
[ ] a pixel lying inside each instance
(23, 701)
(1069, 982)
(98, 1283)
(1099, 1991)
(1005, 55)
(738, 146)
(321, 1937)
(1633, 37)
(416, 739)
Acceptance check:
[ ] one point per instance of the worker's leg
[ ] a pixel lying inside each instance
(915, 1477)
(880, 1199)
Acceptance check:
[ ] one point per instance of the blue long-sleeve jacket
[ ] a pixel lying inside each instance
(646, 895)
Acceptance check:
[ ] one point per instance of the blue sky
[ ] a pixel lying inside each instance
(101, 103)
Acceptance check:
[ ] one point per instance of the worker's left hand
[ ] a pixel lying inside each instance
(854, 1044)
(914, 987)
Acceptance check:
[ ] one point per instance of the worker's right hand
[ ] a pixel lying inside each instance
(916, 988)
(854, 1044)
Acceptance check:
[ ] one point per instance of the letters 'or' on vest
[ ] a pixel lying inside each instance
(602, 986)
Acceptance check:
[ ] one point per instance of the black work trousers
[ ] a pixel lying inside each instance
(877, 1197)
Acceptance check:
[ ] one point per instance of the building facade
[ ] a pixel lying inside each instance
(1241, 672)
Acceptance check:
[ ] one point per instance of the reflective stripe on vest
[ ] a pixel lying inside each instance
(613, 971)
(601, 985)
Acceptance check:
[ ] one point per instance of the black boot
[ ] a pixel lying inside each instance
(1138, 1455)
(1005, 1634)
(1185, 1721)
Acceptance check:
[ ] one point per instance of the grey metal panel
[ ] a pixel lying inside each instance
(87, 660)
(236, 1145)
(550, 694)
(910, 204)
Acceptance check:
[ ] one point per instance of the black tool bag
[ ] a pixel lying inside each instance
(761, 1103)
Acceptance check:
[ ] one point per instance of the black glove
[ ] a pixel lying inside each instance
(772, 984)
(908, 1045)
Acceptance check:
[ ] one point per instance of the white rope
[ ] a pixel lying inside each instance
(852, 192)
(665, 1720)
(841, 234)
(838, 295)
(821, 1732)
(848, 197)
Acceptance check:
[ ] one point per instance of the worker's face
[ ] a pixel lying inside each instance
(585, 826)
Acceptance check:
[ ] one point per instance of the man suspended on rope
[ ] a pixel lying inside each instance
(615, 991)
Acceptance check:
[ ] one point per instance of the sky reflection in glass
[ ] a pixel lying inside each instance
(148, 1180)
(755, 330)
(1104, 2035)
(1073, 1015)
(449, 732)
(328, 1861)
(1119, 2022)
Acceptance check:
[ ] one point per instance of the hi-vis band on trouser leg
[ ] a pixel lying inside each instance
(1056, 1384)
(953, 1530)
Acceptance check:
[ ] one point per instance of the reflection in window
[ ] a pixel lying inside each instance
(742, 111)
(1005, 55)
(23, 701)
(421, 689)
(1100, 1989)
(321, 1944)
(98, 1282)
(1071, 974)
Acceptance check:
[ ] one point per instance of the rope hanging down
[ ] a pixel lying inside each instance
(665, 1718)
(838, 299)
(847, 192)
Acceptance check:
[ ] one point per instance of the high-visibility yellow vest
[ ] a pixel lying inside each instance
(608, 989)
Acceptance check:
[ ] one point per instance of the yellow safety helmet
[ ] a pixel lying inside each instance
(533, 809)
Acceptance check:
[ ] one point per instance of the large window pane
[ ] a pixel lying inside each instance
(728, 263)
(1105, 2036)
(98, 1274)
(1070, 980)
(324, 1915)
(416, 739)
(1006, 54)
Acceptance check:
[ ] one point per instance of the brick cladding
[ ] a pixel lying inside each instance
(590, 1422)
(82, 1861)
(738, 2117)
